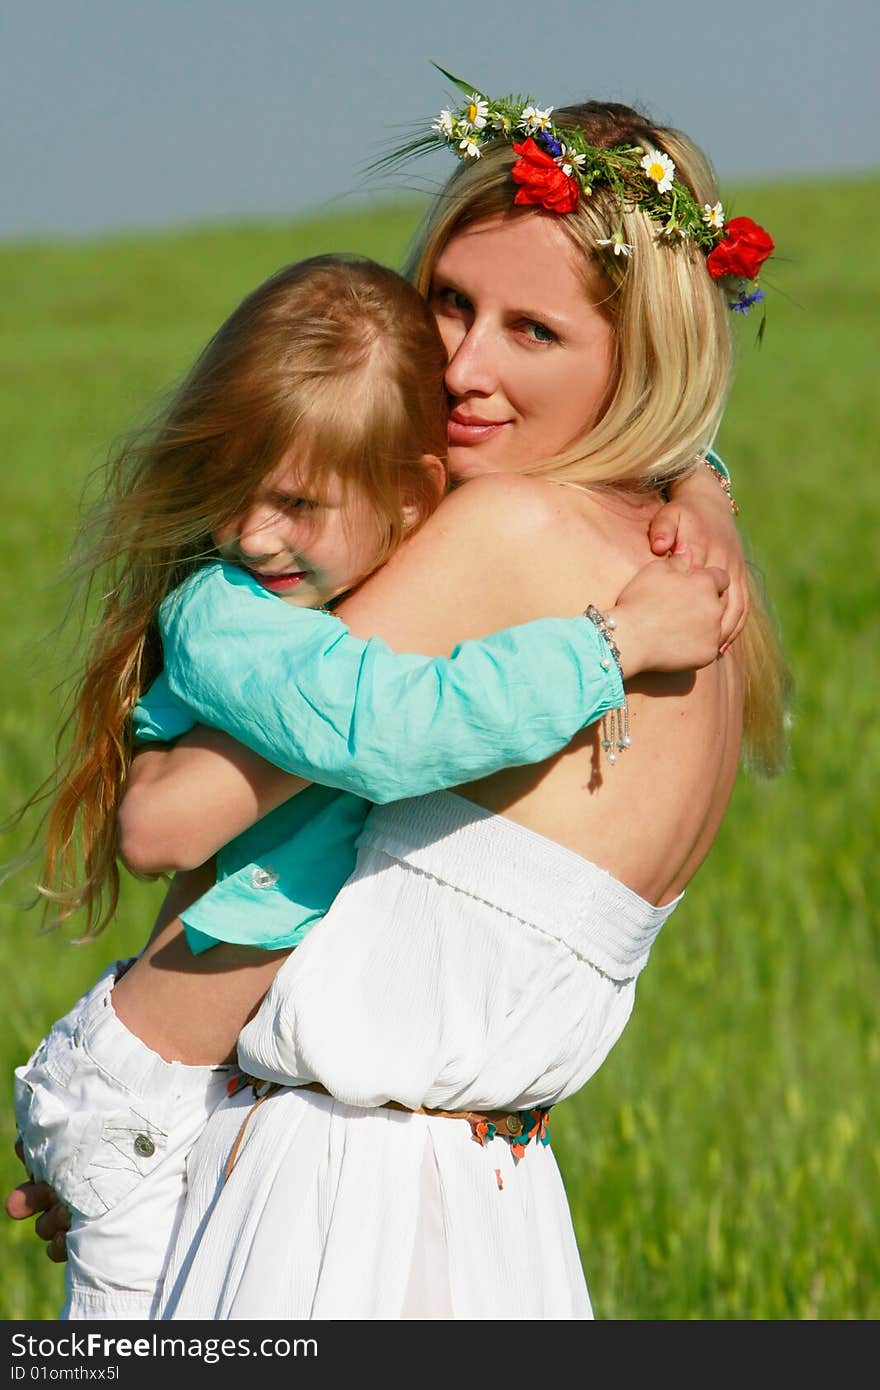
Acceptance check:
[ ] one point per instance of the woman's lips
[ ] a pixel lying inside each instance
(280, 583)
(471, 429)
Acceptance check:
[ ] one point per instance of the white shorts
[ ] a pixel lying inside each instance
(108, 1123)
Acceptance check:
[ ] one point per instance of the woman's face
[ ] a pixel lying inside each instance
(531, 351)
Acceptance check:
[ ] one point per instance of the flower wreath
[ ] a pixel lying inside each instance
(557, 166)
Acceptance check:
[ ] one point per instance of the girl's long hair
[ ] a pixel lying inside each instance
(336, 354)
(673, 352)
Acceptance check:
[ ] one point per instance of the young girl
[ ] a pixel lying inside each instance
(302, 447)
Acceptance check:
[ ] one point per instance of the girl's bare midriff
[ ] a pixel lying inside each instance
(191, 1008)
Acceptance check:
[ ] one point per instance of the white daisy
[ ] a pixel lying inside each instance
(569, 163)
(475, 115)
(713, 216)
(467, 144)
(499, 121)
(660, 168)
(621, 247)
(534, 119)
(445, 124)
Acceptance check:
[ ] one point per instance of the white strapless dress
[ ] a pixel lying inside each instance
(467, 964)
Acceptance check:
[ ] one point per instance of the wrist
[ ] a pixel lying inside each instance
(717, 464)
(615, 736)
(625, 629)
(698, 486)
(721, 474)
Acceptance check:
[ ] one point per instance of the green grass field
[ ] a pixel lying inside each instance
(724, 1162)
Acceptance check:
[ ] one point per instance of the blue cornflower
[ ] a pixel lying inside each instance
(744, 302)
(550, 143)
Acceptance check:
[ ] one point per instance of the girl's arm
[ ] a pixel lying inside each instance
(295, 686)
(699, 515)
(458, 573)
(158, 829)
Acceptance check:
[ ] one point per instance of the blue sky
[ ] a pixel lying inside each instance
(118, 114)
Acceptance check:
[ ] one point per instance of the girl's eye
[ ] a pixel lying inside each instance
(539, 332)
(300, 504)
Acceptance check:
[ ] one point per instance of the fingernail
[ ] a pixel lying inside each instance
(680, 549)
(723, 649)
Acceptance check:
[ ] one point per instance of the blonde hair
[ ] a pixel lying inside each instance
(673, 350)
(335, 354)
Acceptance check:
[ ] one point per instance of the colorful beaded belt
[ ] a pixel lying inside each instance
(517, 1126)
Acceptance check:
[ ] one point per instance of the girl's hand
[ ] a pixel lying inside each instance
(669, 616)
(698, 515)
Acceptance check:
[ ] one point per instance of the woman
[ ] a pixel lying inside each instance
(480, 960)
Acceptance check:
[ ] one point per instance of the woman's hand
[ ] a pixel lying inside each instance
(699, 516)
(53, 1218)
(670, 616)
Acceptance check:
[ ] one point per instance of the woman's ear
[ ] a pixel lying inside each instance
(414, 511)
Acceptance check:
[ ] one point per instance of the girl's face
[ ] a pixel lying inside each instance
(531, 351)
(305, 547)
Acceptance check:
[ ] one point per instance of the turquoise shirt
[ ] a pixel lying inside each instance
(367, 723)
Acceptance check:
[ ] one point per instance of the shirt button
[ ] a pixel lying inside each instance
(264, 878)
(144, 1146)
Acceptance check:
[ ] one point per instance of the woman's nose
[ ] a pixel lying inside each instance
(471, 369)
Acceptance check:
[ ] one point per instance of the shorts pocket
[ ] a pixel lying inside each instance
(92, 1157)
(117, 1150)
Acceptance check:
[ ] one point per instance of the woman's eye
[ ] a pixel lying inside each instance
(300, 504)
(539, 332)
(453, 299)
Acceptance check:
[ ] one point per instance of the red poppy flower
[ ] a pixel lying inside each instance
(742, 251)
(541, 181)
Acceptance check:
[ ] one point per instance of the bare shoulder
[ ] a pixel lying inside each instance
(499, 550)
(529, 547)
(504, 506)
(514, 493)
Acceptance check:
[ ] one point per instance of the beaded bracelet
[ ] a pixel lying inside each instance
(712, 457)
(721, 474)
(615, 724)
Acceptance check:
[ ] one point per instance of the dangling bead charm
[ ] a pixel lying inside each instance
(615, 725)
